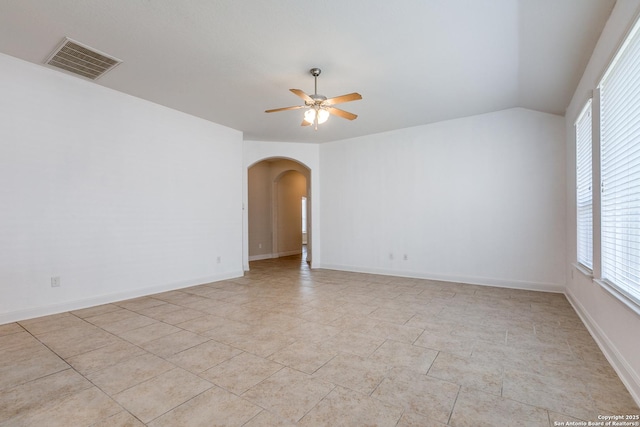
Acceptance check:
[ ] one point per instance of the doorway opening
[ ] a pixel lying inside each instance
(279, 214)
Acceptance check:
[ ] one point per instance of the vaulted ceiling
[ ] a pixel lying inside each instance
(414, 61)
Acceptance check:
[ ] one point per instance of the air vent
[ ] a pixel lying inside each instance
(81, 60)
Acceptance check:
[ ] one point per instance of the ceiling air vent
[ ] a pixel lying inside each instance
(81, 60)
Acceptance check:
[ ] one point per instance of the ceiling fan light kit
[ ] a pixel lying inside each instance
(316, 112)
(319, 107)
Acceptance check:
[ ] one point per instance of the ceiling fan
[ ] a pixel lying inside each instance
(319, 107)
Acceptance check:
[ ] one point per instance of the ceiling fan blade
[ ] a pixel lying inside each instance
(302, 95)
(341, 113)
(305, 123)
(275, 110)
(343, 98)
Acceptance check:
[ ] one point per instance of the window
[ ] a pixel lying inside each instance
(620, 169)
(584, 194)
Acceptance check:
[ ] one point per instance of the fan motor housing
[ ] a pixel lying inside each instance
(318, 98)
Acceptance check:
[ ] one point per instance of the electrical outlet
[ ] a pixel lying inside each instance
(55, 282)
(219, 260)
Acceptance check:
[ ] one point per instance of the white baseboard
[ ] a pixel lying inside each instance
(270, 256)
(625, 371)
(278, 255)
(471, 280)
(15, 316)
(261, 257)
(290, 253)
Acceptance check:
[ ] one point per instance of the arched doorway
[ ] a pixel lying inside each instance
(277, 189)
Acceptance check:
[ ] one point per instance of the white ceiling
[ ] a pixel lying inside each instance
(414, 61)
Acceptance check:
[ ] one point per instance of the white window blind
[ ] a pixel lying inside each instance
(584, 194)
(620, 169)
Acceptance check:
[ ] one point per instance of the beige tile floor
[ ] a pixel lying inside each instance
(285, 345)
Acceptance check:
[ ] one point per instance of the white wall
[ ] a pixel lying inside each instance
(117, 196)
(477, 200)
(308, 155)
(614, 325)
